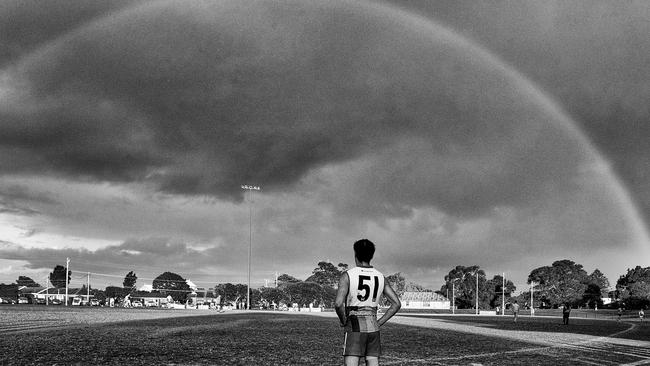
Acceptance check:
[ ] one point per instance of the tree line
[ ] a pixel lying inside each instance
(562, 282)
(318, 289)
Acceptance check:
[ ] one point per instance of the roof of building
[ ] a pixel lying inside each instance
(24, 290)
(423, 296)
(30, 290)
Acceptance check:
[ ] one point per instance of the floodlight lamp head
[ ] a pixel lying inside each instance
(255, 188)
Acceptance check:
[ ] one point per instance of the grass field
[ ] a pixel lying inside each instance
(65, 335)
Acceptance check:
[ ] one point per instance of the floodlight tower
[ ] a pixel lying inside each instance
(250, 190)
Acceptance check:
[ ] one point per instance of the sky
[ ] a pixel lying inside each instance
(503, 134)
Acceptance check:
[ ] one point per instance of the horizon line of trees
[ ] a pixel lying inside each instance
(563, 282)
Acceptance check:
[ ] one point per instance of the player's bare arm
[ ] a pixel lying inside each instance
(341, 295)
(395, 304)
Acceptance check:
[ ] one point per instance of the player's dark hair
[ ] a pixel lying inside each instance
(364, 250)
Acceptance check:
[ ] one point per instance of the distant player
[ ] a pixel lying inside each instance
(566, 311)
(357, 300)
(515, 310)
(641, 316)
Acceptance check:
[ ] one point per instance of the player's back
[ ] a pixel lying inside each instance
(365, 291)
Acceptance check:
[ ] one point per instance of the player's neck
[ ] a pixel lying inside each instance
(363, 264)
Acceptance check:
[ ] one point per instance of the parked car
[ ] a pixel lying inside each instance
(94, 302)
(151, 304)
(136, 304)
(23, 300)
(56, 302)
(76, 301)
(39, 301)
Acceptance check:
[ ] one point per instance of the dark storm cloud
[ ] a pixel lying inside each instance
(27, 24)
(149, 255)
(16, 192)
(200, 97)
(592, 56)
(21, 200)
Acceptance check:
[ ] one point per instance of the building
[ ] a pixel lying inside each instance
(424, 300)
(43, 295)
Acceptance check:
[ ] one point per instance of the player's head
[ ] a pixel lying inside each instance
(364, 250)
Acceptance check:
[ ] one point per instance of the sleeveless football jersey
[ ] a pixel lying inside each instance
(366, 289)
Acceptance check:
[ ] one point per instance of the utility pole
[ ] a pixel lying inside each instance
(503, 294)
(47, 292)
(250, 190)
(67, 266)
(476, 292)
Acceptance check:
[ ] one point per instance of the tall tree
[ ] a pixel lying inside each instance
(26, 281)
(592, 296)
(272, 295)
(461, 282)
(326, 274)
(172, 284)
(633, 288)
(234, 293)
(58, 276)
(285, 279)
(599, 279)
(563, 281)
(495, 291)
(130, 280)
(305, 293)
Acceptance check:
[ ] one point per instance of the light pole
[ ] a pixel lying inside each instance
(453, 294)
(250, 190)
(532, 289)
(453, 297)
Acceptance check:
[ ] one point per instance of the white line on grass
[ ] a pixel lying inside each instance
(550, 341)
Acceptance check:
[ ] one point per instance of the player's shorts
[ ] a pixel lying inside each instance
(362, 344)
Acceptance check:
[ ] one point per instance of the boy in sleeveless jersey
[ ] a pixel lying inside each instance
(357, 300)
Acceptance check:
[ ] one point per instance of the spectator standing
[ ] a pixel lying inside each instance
(566, 311)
